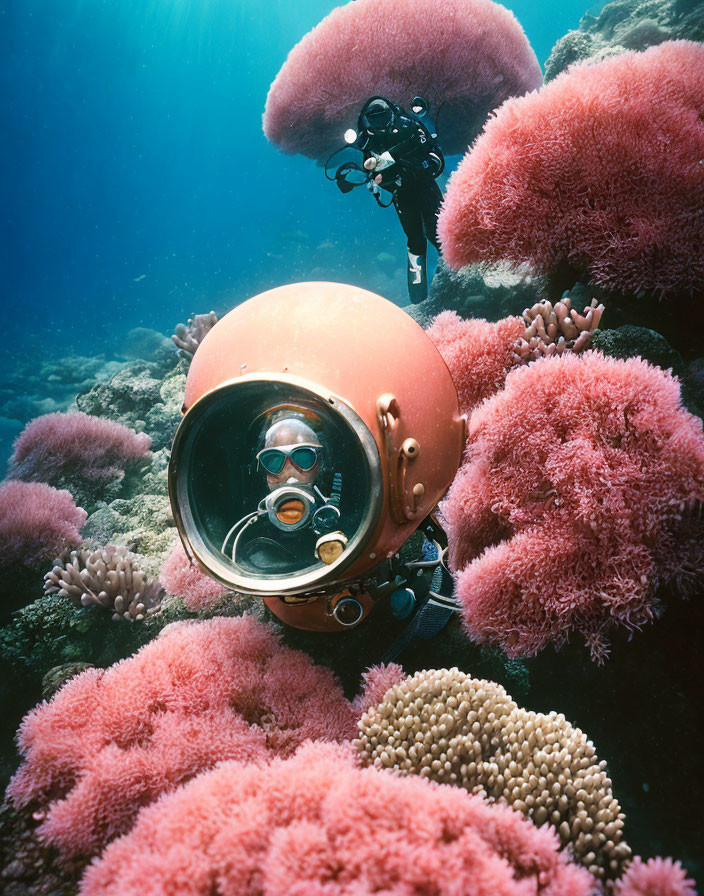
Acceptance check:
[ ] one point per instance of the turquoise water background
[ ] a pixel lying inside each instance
(138, 185)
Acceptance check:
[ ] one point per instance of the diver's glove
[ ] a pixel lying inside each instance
(373, 185)
(377, 162)
(385, 160)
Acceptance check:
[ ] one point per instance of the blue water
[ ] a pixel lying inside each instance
(138, 186)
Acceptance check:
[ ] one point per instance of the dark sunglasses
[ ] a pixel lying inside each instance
(302, 456)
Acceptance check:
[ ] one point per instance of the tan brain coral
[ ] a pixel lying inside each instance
(467, 732)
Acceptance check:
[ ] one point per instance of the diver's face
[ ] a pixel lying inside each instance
(283, 436)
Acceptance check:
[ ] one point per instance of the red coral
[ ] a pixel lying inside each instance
(578, 499)
(111, 741)
(75, 444)
(656, 877)
(464, 56)
(317, 825)
(37, 523)
(600, 170)
(478, 354)
(179, 576)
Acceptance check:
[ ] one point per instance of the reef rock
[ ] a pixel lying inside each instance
(492, 293)
(31, 387)
(630, 342)
(140, 397)
(127, 397)
(58, 676)
(146, 344)
(141, 521)
(627, 25)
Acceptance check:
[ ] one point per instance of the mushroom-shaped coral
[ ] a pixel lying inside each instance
(187, 337)
(454, 729)
(556, 329)
(465, 57)
(318, 825)
(599, 173)
(37, 522)
(107, 577)
(111, 741)
(577, 503)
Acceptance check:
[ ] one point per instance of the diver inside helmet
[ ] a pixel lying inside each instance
(261, 478)
(296, 518)
(401, 156)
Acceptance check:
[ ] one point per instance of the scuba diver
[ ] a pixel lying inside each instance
(400, 156)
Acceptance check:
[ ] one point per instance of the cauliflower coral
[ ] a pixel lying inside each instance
(478, 354)
(37, 523)
(179, 576)
(111, 741)
(599, 171)
(578, 501)
(317, 825)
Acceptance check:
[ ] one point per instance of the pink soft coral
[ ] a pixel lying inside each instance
(111, 741)
(464, 56)
(656, 877)
(37, 523)
(578, 499)
(600, 170)
(317, 825)
(179, 576)
(376, 682)
(478, 354)
(73, 444)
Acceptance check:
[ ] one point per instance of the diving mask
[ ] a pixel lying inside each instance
(303, 456)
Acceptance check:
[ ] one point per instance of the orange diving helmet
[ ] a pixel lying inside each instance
(320, 429)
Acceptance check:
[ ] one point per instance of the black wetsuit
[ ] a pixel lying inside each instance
(411, 182)
(417, 202)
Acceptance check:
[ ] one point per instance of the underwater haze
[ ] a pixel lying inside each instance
(138, 185)
(264, 572)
